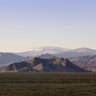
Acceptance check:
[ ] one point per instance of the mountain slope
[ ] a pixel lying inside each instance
(87, 62)
(47, 56)
(58, 52)
(7, 58)
(76, 53)
(43, 65)
(43, 50)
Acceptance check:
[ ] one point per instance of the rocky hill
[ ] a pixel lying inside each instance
(43, 65)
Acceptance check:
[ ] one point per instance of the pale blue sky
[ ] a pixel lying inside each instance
(25, 24)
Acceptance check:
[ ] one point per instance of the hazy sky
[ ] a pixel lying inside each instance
(25, 24)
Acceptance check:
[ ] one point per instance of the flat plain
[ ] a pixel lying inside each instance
(48, 84)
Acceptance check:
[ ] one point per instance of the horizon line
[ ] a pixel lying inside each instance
(34, 48)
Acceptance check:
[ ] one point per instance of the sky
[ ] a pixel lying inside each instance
(25, 24)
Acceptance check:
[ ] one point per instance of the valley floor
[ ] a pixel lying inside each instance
(47, 84)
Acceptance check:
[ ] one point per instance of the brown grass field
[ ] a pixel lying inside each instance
(47, 84)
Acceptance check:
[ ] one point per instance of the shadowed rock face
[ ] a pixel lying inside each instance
(44, 65)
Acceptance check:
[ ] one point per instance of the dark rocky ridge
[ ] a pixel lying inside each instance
(43, 65)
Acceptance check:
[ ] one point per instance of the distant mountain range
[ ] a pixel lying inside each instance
(59, 52)
(8, 58)
(43, 65)
(85, 58)
(77, 52)
(86, 62)
(43, 50)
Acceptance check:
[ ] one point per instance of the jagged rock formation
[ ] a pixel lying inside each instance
(43, 65)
